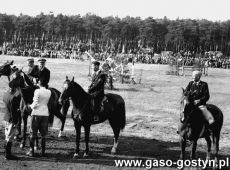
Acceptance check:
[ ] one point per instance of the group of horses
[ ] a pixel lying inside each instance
(192, 125)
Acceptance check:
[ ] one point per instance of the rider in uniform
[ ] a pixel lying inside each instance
(32, 72)
(33, 69)
(96, 89)
(200, 92)
(36, 72)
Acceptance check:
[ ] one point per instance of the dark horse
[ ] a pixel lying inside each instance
(17, 83)
(6, 69)
(193, 126)
(82, 115)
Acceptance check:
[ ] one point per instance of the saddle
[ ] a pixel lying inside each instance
(98, 110)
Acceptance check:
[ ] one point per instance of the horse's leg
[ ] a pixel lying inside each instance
(36, 147)
(182, 145)
(57, 113)
(87, 131)
(193, 153)
(78, 136)
(23, 143)
(209, 145)
(216, 138)
(65, 108)
(116, 132)
(19, 127)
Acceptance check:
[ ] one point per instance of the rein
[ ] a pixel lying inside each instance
(80, 111)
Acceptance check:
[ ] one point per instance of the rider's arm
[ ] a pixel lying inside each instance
(205, 96)
(188, 88)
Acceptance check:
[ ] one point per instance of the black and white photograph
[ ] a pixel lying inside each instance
(114, 84)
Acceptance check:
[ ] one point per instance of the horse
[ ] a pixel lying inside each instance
(82, 113)
(194, 126)
(6, 69)
(17, 82)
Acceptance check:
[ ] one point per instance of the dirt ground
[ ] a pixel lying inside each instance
(152, 117)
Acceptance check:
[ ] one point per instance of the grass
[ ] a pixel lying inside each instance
(152, 106)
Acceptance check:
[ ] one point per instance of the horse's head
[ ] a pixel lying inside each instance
(17, 79)
(187, 104)
(5, 69)
(67, 89)
(187, 107)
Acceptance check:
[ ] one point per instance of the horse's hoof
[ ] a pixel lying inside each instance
(76, 156)
(85, 155)
(60, 134)
(113, 151)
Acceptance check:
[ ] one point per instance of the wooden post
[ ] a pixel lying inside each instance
(89, 67)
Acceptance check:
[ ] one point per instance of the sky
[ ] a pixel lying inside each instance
(214, 10)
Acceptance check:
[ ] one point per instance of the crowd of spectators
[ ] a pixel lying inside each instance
(209, 59)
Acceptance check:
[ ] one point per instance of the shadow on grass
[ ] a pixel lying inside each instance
(62, 150)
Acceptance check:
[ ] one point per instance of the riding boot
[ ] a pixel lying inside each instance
(8, 154)
(31, 151)
(43, 146)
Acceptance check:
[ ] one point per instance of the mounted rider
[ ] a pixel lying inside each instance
(200, 92)
(36, 72)
(96, 89)
(32, 72)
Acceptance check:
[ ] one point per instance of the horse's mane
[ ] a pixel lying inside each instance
(18, 81)
(78, 89)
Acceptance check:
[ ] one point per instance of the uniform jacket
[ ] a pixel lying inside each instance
(44, 74)
(200, 91)
(12, 100)
(40, 100)
(97, 86)
(33, 72)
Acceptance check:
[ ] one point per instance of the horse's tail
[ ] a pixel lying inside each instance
(121, 111)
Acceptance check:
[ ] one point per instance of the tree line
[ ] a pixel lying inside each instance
(114, 33)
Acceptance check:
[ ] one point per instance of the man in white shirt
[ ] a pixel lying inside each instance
(40, 115)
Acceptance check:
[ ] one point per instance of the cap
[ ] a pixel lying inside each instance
(30, 60)
(96, 63)
(42, 60)
(196, 73)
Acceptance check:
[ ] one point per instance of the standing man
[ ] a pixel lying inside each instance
(107, 69)
(12, 119)
(96, 89)
(44, 73)
(201, 95)
(40, 115)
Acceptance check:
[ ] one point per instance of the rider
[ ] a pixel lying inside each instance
(96, 89)
(32, 72)
(200, 94)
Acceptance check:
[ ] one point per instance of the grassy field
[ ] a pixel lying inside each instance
(152, 106)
